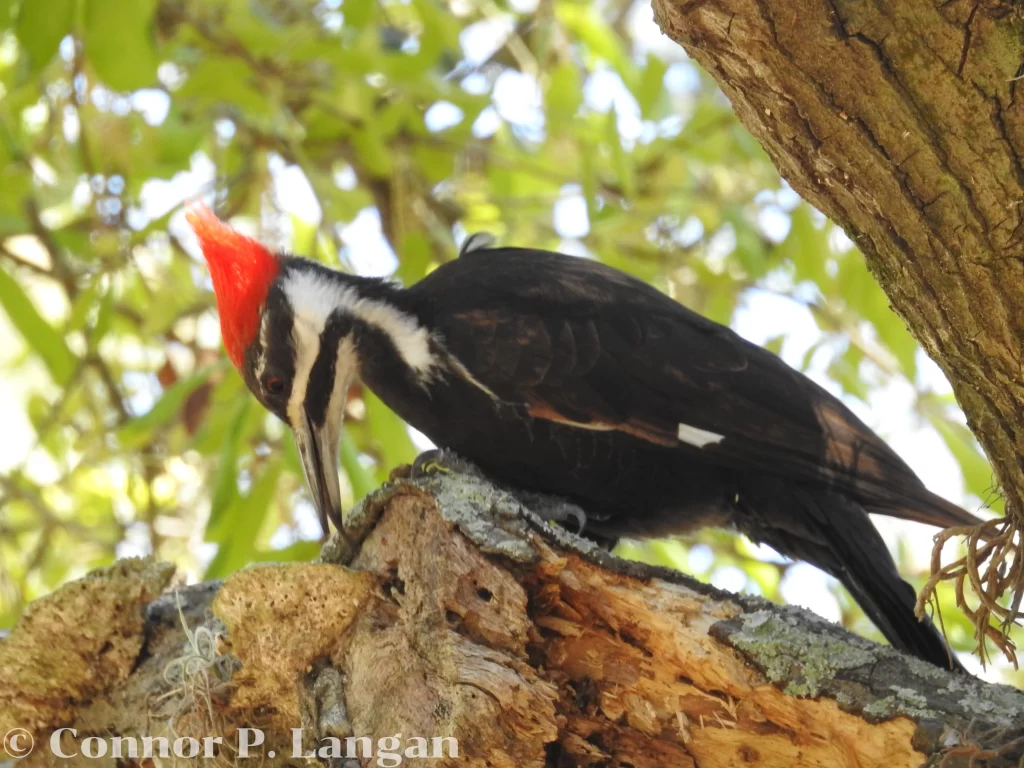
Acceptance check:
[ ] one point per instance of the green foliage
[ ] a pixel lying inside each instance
(130, 432)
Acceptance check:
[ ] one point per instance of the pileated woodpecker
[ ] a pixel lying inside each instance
(564, 376)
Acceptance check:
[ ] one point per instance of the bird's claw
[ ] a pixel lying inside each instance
(554, 509)
(433, 467)
(440, 462)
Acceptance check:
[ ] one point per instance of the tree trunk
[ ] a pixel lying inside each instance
(899, 120)
(463, 615)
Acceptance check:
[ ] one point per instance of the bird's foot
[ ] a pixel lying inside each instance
(441, 461)
(554, 509)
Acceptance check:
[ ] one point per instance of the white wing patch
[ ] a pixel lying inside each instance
(698, 437)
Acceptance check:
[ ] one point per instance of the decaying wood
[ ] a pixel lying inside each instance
(464, 615)
(899, 120)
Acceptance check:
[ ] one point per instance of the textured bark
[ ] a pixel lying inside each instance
(899, 120)
(464, 615)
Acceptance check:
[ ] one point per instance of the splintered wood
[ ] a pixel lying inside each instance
(482, 632)
(561, 662)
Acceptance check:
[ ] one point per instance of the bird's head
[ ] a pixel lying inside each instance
(286, 334)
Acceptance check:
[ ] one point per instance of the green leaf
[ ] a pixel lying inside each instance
(750, 248)
(247, 513)
(651, 88)
(390, 433)
(563, 97)
(623, 162)
(303, 236)
(222, 79)
(362, 480)
(225, 484)
(104, 317)
(373, 152)
(978, 476)
(140, 430)
(119, 41)
(44, 340)
(83, 304)
(42, 24)
(358, 12)
(414, 254)
(8, 13)
(805, 246)
(845, 369)
(594, 31)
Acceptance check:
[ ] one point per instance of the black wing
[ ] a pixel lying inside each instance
(577, 342)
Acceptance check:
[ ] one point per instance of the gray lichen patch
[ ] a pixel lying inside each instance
(805, 664)
(902, 701)
(809, 657)
(488, 516)
(76, 643)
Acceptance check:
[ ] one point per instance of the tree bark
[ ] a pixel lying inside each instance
(464, 615)
(899, 120)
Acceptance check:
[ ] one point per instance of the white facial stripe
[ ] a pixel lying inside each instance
(306, 341)
(261, 363)
(314, 298)
(698, 437)
(410, 339)
(345, 368)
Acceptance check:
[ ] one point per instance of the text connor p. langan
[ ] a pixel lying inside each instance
(388, 751)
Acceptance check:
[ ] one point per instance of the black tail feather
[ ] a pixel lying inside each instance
(834, 532)
(889, 602)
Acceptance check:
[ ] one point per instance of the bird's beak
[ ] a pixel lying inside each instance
(318, 448)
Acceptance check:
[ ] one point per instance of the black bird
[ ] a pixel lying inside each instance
(564, 376)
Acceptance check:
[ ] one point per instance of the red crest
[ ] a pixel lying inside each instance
(242, 270)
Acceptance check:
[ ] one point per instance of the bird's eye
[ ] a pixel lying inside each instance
(274, 385)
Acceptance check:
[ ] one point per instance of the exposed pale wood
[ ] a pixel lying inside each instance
(462, 615)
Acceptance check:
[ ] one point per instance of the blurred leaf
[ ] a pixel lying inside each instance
(651, 88)
(38, 334)
(225, 485)
(41, 26)
(390, 434)
(303, 237)
(596, 34)
(564, 96)
(845, 369)
(226, 80)
(140, 430)
(978, 475)
(8, 13)
(624, 170)
(362, 480)
(804, 246)
(239, 548)
(119, 42)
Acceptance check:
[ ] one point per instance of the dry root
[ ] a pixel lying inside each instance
(993, 566)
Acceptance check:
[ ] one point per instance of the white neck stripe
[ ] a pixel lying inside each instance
(313, 299)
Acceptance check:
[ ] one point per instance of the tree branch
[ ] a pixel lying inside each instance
(464, 615)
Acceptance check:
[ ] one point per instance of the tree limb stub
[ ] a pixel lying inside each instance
(464, 615)
(899, 120)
